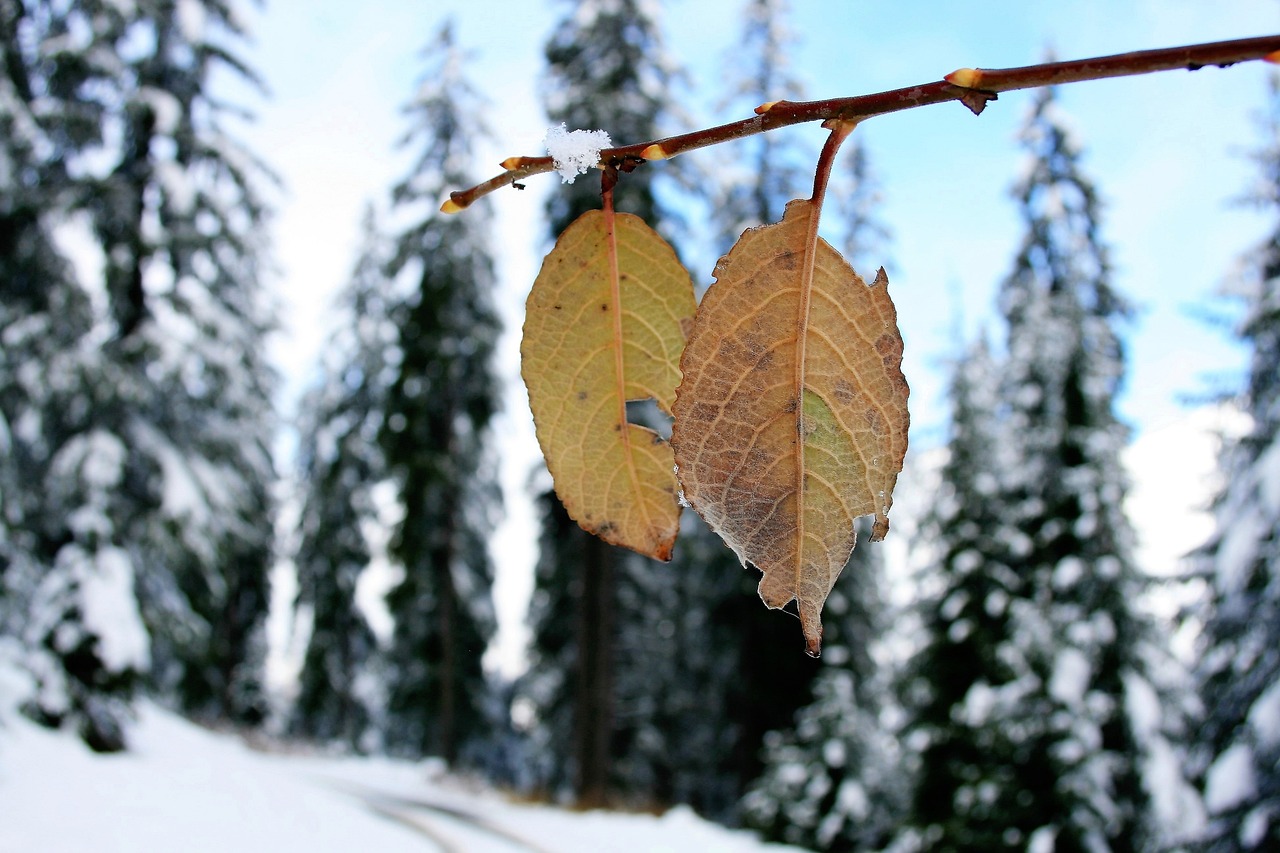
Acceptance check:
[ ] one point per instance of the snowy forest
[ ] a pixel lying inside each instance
(1024, 693)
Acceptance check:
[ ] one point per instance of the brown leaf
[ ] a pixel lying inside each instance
(605, 323)
(791, 419)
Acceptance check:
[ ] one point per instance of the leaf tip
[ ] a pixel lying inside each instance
(654, 152)
(765, 107)
(512, 163)
(451, 206)
(813, 643)
(965, 78)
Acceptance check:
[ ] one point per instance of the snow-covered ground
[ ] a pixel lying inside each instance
(183, 788)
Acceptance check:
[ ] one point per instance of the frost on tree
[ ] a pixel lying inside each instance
(1239, 672)
(172, 370)
(1044, 733)
(340, 465)
(66, 585)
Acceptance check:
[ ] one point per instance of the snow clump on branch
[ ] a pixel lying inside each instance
(575, 152)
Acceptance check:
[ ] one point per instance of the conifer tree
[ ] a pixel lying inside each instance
(1076, 626)
(165, 455)
(341, 462)
(857, 199)
(605, 72)
(966, 621)
(180, 223)
(440, 405)
(61, 567)
(1062, 711)
(1239, 673)
(665, 721)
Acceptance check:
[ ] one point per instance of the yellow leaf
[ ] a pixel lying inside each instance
(791, 420)
(605, 323)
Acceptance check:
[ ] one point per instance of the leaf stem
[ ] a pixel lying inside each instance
(971, 86)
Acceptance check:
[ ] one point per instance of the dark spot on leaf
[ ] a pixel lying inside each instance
(844, 391)
(792, 405)
(888, 345)
(582, 395)
(787, 261)
(874, 421)
(604, 307)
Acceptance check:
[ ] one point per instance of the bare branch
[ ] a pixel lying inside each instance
(971, 86)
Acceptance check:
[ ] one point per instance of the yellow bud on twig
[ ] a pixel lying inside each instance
(966, 78)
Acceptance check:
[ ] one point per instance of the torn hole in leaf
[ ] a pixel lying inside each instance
(646, 413)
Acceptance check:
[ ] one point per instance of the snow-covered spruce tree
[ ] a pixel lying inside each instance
(1239, 673)
(435, 434)
(66, 599)
(1068, 699)
(596, 678)
(180, 224)
(340, 463)
(967, 764)
(179, 386)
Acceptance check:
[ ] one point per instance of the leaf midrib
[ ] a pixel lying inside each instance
(619, 363)
(804, 303)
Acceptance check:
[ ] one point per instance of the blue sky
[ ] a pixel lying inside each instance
(1168, 153)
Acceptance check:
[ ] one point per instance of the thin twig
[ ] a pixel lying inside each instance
(972, 87)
